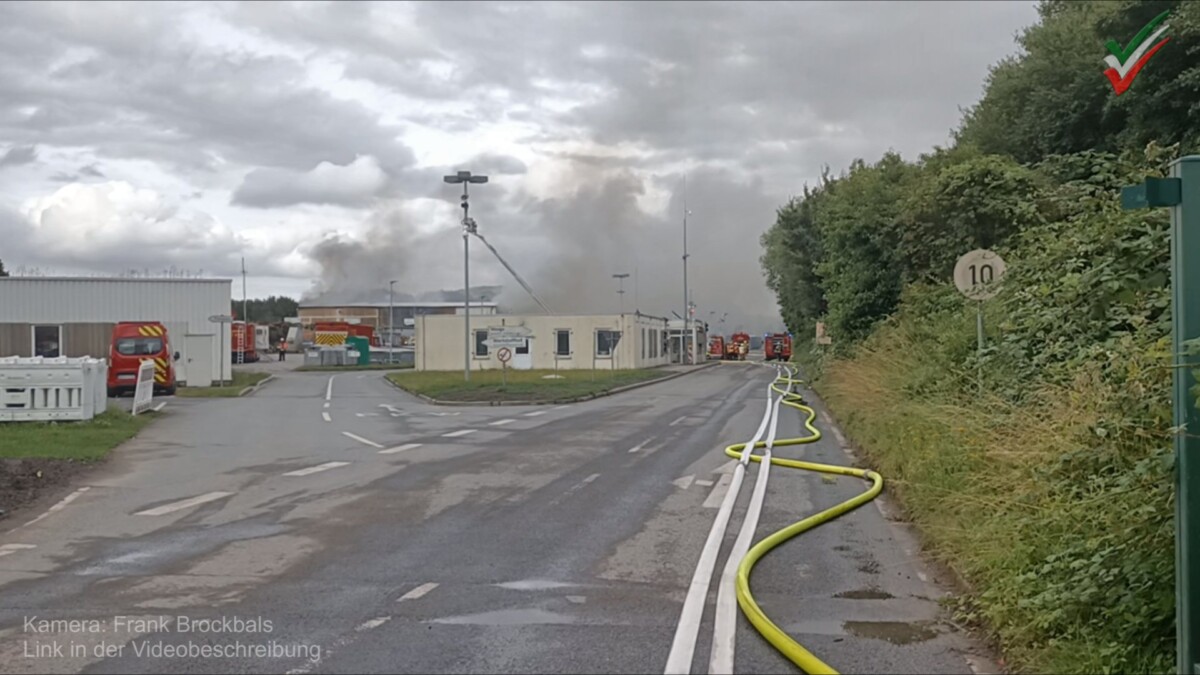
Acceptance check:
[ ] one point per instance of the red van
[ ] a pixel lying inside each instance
(134, 342)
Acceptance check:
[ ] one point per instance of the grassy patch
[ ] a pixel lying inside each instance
(84, 441)
(241, 380)
(373, 366)
(523, 385)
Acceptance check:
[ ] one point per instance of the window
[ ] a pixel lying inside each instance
(524, 348)
(47, 341)
(139, 346)
(606, 341)
(562, 342)
(481, 349)
(654, 343)
(643, 343)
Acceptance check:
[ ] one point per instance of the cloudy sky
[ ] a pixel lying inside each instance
(311, 138)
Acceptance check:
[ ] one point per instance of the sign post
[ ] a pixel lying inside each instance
(1181, 192)
(143, 392)
(977, 274)
(504, 355)
(221, 320)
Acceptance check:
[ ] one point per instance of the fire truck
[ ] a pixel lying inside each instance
(243, 341)
(334, 333)
(778, 346)
(738, 347)
(716, 347)
(134, 342)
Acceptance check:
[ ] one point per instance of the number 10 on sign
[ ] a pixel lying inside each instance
(976, 275)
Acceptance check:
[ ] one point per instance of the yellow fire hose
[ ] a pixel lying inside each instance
(793, 650)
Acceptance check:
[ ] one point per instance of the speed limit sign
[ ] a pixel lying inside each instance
(504, 354)
(976, 274)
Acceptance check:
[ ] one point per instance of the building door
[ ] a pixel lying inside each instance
(197, 366)
(522, 359)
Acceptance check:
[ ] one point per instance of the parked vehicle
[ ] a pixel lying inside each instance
(134, 342)
(243, 342)
(326, 332)
(738, 347)
(778, 346)
(716, 347)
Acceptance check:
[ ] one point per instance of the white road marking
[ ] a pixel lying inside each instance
(329, 388)
(160, 406)
(725, 619)
(460, 432)
(366, 414)
(59, 506)
(683, 646)
(418, 592)
(373, 623)
(683, 483)
(923, 577)
(399, 448)
(325, 416)
(326, 405)
(8, 549)
(535, 413)
(590, 478)
(316, 469)
(362, 440)
(727, 467)
(576, 599)
(560, 407)
(444, 414)
(704, 482)
(684, 417)
(719, 491)
(825, 416)
(500, 423)
(841, 439)
(641, 445)
(185, 504)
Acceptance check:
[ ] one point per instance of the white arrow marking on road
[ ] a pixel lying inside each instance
(718, 492)
(418, 592)
(460, 432)
(362, 440)
(727, 467)
(185, 504)
(400, 448)
(683, 483)
(316, 469)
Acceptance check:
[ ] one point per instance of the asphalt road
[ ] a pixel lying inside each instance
(376, 533)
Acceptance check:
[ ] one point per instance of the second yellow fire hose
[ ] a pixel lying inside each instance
(793, 650)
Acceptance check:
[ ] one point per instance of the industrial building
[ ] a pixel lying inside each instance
(74, 316)
(375, 314)
(603, 342)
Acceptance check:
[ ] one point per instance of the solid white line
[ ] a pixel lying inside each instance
(460, 432)
(683, 646)
(725, 619)
(535, 413)
(185, 504)
(316, 469)
(373, 623)
(362, 440)
(325, 416)
(500, 423)
(58, 507)
(329, 388)
(684, 417)
(399, 448)
(160, 406)
(641, 445)
(418, 592)
(715, 497)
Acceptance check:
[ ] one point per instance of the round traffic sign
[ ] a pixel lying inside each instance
(977, 274)
(504, 354)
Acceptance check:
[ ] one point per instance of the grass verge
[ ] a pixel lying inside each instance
(81, 441)
(241, 380)
(522, 385)
(373, 366)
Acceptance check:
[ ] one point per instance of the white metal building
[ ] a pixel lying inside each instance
(74, 316)
(603, 342)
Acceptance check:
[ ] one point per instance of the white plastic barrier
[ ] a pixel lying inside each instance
(143, 394)
(40, 389)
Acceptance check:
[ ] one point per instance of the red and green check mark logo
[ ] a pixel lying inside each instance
(1125, 63)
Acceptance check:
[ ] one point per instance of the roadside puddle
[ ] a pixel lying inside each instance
(895, 632)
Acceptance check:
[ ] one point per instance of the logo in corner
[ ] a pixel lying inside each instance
(1124, 64)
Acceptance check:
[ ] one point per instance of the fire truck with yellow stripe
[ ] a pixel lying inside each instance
(132, 343)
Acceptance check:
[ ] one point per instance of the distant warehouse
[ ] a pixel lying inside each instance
(603, 342)
(74, 316)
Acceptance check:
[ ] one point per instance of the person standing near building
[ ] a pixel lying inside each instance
(283, 349)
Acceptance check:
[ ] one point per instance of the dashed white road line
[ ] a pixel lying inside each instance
(460, 432)
(500, 423)
(316, 469)
(184, 504)
(326, 405)
(59, 506)
(418, 592)
(641, 445)
(535, 413)
(325, 416)
(360, 439)
(329, 388)
(719, 491)
(400, 448)
(677, 421)
(9, 549)
(373, 623)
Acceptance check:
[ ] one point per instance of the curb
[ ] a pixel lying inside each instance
(254, 387)
(577, 399)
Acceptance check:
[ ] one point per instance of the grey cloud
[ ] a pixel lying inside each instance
(355, 184)
(19, 154)
(91, 170)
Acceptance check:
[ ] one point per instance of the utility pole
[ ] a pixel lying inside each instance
(245, 318)
(621, 287)
(468, 224)
(391, 319)
(686, 322)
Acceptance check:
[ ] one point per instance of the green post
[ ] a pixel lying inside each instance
(1181, 192)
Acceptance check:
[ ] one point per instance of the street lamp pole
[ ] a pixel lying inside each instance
(466, 178)
(391, 319)
(621, 288)
(686, 315)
